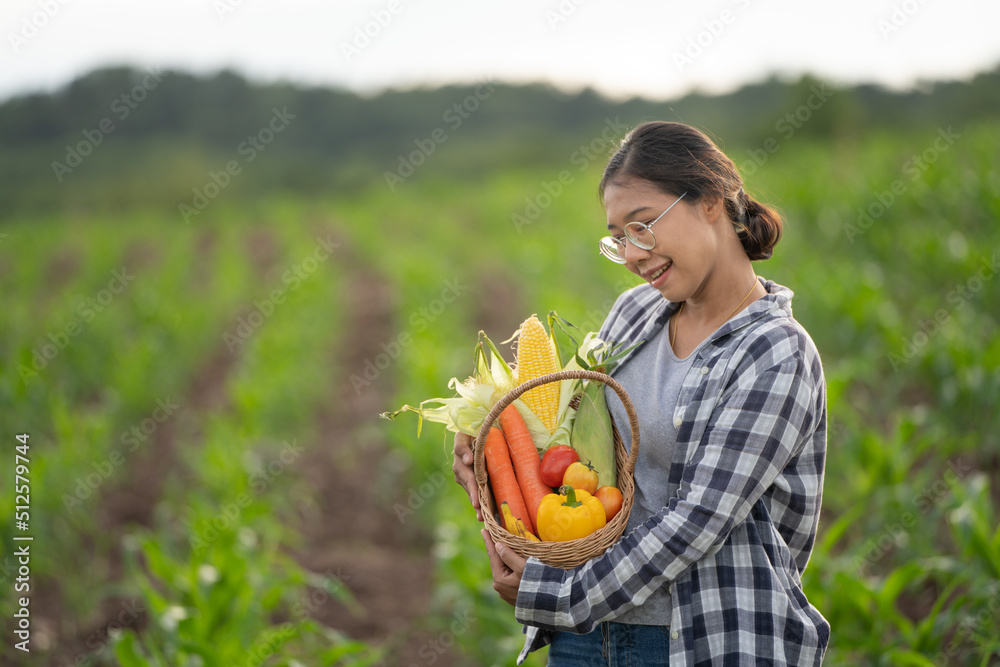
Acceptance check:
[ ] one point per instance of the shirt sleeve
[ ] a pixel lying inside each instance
(759, 425)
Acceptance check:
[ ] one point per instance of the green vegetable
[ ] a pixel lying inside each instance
(592, 436)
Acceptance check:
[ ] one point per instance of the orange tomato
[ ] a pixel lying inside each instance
(612, 500)
(581, 475)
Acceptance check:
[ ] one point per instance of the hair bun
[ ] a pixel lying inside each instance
(760, 229)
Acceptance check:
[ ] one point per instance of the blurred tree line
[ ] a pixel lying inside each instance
(121, 137)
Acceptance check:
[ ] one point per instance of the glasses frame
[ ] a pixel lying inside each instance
(631, 233)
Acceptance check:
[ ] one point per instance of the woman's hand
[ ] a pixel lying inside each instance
(507, 567)
(464, 474)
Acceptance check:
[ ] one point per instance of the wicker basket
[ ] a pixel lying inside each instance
(574, 552)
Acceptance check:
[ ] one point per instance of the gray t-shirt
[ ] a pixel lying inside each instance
(652, 377)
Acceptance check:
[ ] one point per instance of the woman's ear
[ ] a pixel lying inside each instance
(713, 208)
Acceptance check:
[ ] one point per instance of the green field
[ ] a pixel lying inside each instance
(210, 480)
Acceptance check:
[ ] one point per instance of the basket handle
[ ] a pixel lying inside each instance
(511, 396)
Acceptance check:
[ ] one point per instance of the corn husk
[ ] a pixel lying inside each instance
(476, 396)
(493, 378)
(589, 424)
(592, 436)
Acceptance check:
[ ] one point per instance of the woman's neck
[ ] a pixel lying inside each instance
(714, 303)
(710, 307)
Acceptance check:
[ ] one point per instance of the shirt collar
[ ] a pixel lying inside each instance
(776, 303)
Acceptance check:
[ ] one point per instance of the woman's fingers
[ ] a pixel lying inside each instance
(506, 579)
(464, 474)
(513, 560)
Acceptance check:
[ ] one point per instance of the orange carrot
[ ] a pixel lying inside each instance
(524, 456)
(502, 478)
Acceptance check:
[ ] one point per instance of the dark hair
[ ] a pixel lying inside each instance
(677, 158)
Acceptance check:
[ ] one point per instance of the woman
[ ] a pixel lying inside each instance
(732, 404)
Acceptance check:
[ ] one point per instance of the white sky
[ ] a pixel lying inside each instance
(622, 47)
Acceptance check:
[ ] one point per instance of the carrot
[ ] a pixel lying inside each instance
(524, 456)
(502, 478)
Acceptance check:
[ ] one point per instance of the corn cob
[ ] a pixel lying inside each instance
(592, 436)
(536, 356)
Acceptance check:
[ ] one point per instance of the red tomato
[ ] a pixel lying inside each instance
(612, 500)
(581, 475)
(554, 463)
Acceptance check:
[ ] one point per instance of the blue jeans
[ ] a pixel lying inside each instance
(611, 645)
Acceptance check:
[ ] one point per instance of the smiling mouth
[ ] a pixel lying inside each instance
(659, 272)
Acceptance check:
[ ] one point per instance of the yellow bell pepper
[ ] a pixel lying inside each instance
(569, 515)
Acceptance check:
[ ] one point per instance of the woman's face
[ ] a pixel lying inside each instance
(686, 244)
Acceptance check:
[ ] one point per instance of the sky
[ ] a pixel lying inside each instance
(659, 50)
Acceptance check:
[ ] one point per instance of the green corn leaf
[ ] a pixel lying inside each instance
(925, 628)
(833, 533)
(894, 585)
(908, 657)
(127, 651)
(990, 652)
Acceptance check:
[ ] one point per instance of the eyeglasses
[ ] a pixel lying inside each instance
(639, 233)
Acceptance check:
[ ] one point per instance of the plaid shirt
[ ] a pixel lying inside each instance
(745, 488)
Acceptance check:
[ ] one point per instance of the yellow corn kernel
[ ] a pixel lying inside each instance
(536, 356)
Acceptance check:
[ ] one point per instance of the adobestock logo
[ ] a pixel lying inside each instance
(33, 24)
(712, 29)
(419, 321)
(87, 484)
(914, 168)
(291, 279)
(787, 126)
(364, 34)
(122, 107)
(88, 309)
(454, 116)
(250, 148)
(899, 16)
(958, 296)
(562, 12)
(597, 148)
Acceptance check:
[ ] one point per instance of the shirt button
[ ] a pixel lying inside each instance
(675, 635)
(704, 370)
(678, 421)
